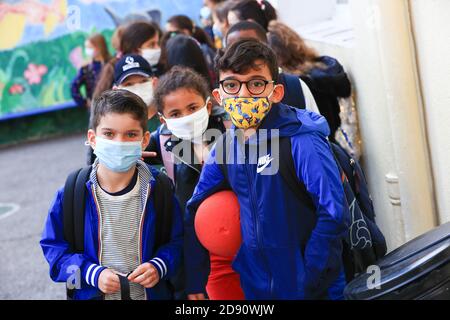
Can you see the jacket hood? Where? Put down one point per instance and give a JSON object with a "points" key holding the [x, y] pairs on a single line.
{"points": [[331, 79]]}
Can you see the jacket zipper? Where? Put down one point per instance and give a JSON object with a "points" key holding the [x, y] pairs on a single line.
{"points": [[141, 224], [99, 228], [255, 221]]}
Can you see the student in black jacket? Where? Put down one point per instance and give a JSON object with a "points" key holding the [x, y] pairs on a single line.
{"points": [[324, 75]]}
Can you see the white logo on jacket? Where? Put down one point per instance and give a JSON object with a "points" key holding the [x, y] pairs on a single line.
{"points": [[263, 162]]}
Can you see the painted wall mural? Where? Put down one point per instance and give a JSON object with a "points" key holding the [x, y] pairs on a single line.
{"points": [[41, 44]]}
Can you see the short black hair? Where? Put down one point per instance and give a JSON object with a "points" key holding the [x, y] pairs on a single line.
{"points": [[262, 12], [242, 55], [184, 51], [248, 25], [118, 101], [182, 22], [177, 78]]}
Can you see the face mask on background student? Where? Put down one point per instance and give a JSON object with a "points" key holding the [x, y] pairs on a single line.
{"points": [[151, 55], [89, 52], [218, 36], [117, 156], [190, 127], [143, 90]]}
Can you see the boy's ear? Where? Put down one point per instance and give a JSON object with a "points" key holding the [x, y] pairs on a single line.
{"points": [[146, 140], [278, 93], [209, 106], [91, 138], [216, 95], [154, 82]]}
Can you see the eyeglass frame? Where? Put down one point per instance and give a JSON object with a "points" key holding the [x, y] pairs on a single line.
{"points": [[266, 82]]}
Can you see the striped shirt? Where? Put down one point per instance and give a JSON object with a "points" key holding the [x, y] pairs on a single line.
{"points": [[120, 222]]}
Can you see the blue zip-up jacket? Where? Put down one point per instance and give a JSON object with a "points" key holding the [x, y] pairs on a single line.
{"points": [[289, 251], [166, 258]]}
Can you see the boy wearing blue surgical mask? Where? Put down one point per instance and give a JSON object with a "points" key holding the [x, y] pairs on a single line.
{"points": [[133, 73], [122, 254]]}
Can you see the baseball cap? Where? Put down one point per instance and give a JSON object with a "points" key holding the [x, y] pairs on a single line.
{"points": [[131, 64]]}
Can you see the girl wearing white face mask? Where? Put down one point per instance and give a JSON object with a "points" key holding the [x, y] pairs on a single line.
{"points": [[96, 52], [191, 126], [183, 141], [135, 38]]}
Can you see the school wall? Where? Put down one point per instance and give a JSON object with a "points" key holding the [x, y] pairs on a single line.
{"points": [[400, 74], [431, 29]]}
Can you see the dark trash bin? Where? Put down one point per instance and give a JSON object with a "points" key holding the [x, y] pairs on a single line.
{"points": [[418, 270]]}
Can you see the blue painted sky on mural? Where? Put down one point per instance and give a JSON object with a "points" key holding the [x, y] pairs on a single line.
{"points": [[94, 17]]}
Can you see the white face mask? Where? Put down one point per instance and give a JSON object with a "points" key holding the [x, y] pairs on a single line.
{"points": [[151, 55], [190, 127], [89, 52], [143, 90]]}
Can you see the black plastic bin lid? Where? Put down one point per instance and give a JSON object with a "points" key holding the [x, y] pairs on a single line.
{"points": [[411, 263]]}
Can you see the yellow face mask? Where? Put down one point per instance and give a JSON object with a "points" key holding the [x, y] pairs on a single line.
{"points": [[246, 112]]}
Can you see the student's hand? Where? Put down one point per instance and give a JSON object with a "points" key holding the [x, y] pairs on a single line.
{"points": [[148, 154], [196, 296], [108, 282], [146, 275]]}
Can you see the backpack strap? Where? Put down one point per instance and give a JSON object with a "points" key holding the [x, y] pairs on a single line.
{"points": [[68, 214], [167, 157], [294, 95], [124, 288], [163, 201], [289, 174], [74, 203]]}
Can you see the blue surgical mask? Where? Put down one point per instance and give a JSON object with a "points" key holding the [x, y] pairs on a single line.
{"points": [[117, 156]]}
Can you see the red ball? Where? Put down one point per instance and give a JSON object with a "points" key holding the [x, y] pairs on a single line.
{"points": [[217, 224]]}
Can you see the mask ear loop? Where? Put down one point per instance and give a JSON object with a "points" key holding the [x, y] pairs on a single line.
{"points": [[269, 96], [207, 101]]}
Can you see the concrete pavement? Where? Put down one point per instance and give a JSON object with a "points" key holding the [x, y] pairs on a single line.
{"points": [[30, 174]]}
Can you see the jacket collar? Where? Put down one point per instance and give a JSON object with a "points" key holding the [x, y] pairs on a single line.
{"points": [[144, 175]]}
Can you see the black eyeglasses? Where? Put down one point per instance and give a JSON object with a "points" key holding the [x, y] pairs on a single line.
{"points": [[254, 86]]}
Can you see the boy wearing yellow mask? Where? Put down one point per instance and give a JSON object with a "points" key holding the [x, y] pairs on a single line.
{"points": [[292, 239]]}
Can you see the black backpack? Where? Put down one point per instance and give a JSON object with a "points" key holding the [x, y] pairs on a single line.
{"points": [[74, 203], [364, 243]]}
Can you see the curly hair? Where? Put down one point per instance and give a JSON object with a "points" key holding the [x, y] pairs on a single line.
{"points": [[179, 78], [294, 56]]}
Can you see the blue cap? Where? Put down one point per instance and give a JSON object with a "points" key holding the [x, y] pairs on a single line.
{"points": [[131, 64]]}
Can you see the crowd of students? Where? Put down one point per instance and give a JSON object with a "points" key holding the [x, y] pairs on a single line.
{"points": [[241, 74]]}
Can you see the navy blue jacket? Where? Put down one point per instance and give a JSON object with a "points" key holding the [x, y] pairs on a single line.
{"points": [[288, 252], [327, 85]]}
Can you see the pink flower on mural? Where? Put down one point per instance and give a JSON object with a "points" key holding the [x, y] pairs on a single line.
{"points": [[76, 57], [34, 73], [16, 89]]}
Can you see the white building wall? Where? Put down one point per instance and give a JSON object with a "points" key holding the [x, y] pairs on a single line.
{"points": [[380, 60], [431, 26]]}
